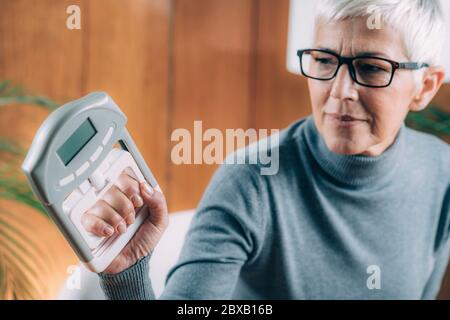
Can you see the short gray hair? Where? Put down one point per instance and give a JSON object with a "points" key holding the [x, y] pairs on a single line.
{"points": [[421, 22]]}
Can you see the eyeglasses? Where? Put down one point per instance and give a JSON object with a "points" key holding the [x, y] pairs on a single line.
{"points": [[367, 71]]}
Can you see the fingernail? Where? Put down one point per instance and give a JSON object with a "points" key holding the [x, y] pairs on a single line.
{"points": [[122, 227], [149, 190], [108, 230], [131, 218], [137, 200]]}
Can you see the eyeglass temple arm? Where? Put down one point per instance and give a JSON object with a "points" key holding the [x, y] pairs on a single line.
{"points": [[412, 65]]}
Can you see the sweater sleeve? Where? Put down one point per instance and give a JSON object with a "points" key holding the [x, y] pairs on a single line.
{"points": [[130, 284], [225, 234]]}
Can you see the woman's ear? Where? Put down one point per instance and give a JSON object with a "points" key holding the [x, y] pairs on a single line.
{"points": [[429, 85]]}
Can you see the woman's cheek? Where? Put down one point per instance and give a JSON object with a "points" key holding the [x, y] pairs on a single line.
{"points": [[381, 129]]}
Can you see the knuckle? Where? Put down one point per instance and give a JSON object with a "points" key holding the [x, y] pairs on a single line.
{"points": [[129, 185], [115, 219], [112, 192], [160, 199], [89, 222], [131, 189], [102, 208], [97, 207], [160, 194]]}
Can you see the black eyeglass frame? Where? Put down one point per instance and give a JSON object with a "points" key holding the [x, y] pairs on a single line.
{"points": [[349, 62]]}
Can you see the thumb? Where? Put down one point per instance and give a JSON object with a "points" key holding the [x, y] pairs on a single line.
{"points": [[156, 204]]}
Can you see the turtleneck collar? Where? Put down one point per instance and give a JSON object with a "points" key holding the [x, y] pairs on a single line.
{"points": [[355, 170]]}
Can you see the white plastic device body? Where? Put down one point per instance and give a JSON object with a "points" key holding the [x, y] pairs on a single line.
{"points": [[77, 155]]}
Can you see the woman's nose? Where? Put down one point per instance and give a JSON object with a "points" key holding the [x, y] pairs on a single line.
{"points": [[343, 87]]}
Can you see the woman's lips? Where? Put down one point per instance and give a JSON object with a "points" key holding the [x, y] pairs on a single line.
{"points": [[345, 120]]}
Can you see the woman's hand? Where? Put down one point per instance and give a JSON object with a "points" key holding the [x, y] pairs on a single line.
{"points": [[116, 211]]}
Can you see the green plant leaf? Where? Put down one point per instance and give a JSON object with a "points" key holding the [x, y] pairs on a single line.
{"points": [[10, 95], [10, 147], [12, 183], [432, 120], [33, 257], [30, 268]]}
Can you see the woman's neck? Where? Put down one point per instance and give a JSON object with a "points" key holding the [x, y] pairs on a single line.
{"points": [[355, 169]]}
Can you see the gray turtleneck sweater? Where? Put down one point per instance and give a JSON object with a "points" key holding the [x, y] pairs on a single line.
{"points": [[326, 226]]}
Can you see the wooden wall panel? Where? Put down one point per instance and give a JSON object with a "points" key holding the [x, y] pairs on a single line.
{"points": [[38, 52], [122, 48], [280, 97], [126, 54], [211, 72]]}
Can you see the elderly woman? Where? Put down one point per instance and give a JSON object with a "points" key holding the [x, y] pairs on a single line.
{"points": [[360, 206]]}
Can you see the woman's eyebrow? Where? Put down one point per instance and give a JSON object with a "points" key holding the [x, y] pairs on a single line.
{"points": [[361, 53], [327, 49], [373, 53]]}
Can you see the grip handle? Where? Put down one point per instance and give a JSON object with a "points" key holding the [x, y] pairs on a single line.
{"points": [[103, 178]]}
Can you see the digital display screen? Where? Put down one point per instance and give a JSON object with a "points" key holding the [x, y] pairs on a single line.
{"points": [[76, 141]]}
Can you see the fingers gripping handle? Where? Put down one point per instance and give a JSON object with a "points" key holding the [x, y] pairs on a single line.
{"points": [[101, 180], [118, 160]]}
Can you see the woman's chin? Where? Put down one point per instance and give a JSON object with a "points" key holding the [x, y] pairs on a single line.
{"points": [[350, 141], [344, 146]]}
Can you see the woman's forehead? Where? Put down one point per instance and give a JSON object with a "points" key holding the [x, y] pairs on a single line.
{"points": [[352, 37], [359, 51]]}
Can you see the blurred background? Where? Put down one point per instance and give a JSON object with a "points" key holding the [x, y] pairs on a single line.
{"points": [[166, 63]]}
